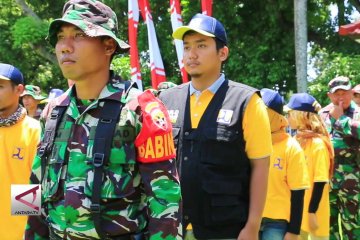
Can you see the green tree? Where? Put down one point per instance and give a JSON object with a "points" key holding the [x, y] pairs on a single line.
{"points": [[260, 32]]}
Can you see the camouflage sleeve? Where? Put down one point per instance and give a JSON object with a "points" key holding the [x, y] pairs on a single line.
{"points": [[347, 126], [164, 199], [36, 227], [156, 158]]}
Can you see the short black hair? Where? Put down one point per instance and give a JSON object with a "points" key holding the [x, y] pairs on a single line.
{"points": [[219, 44]]}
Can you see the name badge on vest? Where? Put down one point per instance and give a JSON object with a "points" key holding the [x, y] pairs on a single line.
{"points": [[173, 114], [225, 116]]}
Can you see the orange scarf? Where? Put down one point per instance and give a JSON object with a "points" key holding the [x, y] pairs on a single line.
{"points": [[303, 136]]}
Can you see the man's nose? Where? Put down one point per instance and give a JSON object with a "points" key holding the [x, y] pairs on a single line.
{"points": [[65, 45], [192, 53]]}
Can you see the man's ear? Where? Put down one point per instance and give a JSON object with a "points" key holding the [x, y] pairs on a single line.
{"points": [[110, 46], [224, 53], [19, 89]]}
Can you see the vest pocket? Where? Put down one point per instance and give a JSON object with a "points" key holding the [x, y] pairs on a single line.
{"points": [[224, 203], [218, 140], [222, 134], [119, 175], [223, 177]]}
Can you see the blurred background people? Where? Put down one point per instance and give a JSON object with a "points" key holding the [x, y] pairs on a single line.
{"points": [[53, 93], [356, 96], [342, 120], [19, 136], [31, 99], [314, 139], [288, 177]]}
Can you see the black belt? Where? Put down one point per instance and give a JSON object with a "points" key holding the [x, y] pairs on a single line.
{"points": [[135, 236]]}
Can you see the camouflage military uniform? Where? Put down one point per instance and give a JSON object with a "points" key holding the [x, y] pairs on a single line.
{"points": [[141, 189], [345, 184]]}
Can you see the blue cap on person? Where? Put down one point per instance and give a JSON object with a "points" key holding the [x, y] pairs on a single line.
{"points": [[204, 25], [272, 100], [54, 93], [11, 73], [302, 102]]}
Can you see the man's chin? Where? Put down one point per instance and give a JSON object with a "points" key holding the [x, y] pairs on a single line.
{"points": [[195, 75]]}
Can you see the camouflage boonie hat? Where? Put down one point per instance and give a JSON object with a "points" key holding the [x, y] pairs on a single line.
{"points": [[33, 91], [94, 18]]}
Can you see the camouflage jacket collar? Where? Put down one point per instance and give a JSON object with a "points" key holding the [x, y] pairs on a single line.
{"points": [[112, 90]]}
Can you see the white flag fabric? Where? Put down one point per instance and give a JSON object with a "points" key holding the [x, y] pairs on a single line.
{"points": [[133, 20], [176, 21], [156, 63]]}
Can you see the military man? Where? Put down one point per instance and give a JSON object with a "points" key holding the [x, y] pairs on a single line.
{"points": [[31, 98], [342, 119], [356, 97], [107, 168]]}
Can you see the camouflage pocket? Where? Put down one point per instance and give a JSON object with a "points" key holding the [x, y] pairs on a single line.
{"points": [[53, 172], [119, 176]]}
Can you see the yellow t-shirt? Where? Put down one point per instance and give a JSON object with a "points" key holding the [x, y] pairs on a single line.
{"points": [[255, 123], [288, 171], [18, 144], [318, 162]]}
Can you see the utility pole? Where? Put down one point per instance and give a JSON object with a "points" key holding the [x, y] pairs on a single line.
{"points": [[300, 22]]}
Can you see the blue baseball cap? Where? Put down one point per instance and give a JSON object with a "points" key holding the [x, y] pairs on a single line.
{"points": [[272, 99], [54, 93], [11, 73], [302, 102], [204, 25]]}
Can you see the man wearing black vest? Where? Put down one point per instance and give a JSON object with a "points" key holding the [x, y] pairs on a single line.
{"points": [[222, 135]]}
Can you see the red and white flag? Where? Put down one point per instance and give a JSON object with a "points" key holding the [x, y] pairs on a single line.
{"points": [[133, 20], [156, 63], [176, 21], [206, 7]]}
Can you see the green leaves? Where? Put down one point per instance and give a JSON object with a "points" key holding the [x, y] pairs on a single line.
{"points": [[27, 30], [260, 32]]}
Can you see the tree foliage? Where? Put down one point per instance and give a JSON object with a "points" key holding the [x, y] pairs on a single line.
{"points": [[260, 33], [28, 30]]}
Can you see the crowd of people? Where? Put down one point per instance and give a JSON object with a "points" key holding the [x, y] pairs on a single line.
{"points": [[208, 159]]}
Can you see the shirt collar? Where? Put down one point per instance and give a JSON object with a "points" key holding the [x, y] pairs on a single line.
{"points": [[213, 88]]}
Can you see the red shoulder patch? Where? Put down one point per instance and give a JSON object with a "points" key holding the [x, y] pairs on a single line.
{"points": [[155, 141]]}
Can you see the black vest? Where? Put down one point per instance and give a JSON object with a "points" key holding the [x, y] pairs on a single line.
{"points": [[214, 168]]}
